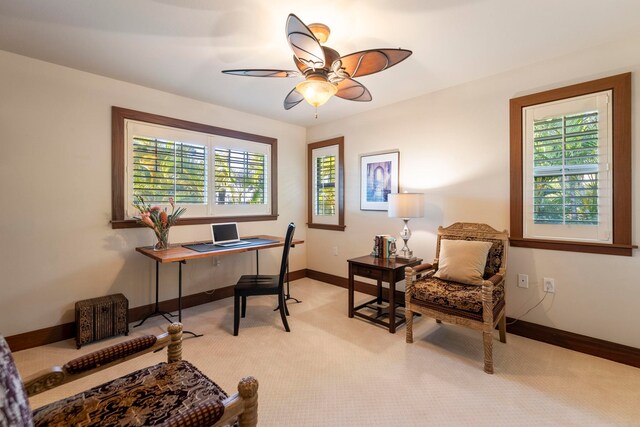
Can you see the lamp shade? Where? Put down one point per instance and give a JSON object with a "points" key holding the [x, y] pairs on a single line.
{"points": [[406, 205], [316, 91]]}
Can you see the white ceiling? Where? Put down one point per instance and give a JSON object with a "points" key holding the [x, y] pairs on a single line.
{"points": [[180, 46]]}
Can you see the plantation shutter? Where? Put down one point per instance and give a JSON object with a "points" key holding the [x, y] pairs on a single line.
{"points": [[325, 161], [567, 169], [239, 177], [163, 169], [325, 188]]}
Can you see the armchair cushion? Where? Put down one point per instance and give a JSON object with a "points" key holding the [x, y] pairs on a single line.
{"points": [[462, 261], [14, 405], [149, 396], [454, 295]]}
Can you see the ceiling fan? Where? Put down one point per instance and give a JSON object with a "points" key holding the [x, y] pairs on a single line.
{"points": [[325, 72]]}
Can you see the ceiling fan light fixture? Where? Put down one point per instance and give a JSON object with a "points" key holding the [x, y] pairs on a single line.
{"points": [[320, 31], [316, 91]]}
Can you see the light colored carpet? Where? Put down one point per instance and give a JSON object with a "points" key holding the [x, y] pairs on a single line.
{"points": [[335, 371]]}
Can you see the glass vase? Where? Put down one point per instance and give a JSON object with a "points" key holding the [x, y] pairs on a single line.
{"points": [[163, 240]]}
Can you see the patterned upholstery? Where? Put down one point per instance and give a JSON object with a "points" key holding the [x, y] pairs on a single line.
{"points": [[109, 354], [14, 405], [150, 396], [205, 414], [454, 295]]}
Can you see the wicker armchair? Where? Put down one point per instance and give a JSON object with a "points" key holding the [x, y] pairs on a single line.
{"points": [[168, 394], [479, 306]]}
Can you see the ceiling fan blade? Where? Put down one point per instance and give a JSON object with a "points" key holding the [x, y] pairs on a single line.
{"points": [[304, 44], [351, 90], [371, 61], [263, 72], [292, 99]]}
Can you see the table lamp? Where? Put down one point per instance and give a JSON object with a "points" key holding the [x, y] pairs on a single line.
{"points": [[406, 206]]}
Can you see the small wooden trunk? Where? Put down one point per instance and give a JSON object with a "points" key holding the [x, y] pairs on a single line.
{"points": [[101, 317]]}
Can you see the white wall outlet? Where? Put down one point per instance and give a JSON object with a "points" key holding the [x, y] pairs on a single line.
{"points": [[549, 285], [523, 280], [335, 251]]}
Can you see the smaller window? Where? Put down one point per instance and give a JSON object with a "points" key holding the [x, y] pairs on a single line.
{"points": [[326, 184]]}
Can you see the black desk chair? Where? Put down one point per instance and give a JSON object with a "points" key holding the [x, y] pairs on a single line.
{"points": [[252, 284]]}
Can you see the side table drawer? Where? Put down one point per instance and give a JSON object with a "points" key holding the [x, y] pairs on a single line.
{"points": [[371, 273]]}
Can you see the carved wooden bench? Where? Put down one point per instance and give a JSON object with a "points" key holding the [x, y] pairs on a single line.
{"points": [[169, 394]]}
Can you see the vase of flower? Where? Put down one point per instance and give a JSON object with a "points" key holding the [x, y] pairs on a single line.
{"points": [[163, 240], [158, 220]]}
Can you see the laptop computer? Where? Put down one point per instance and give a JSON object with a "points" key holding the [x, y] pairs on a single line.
{"points": [[226, 234]]}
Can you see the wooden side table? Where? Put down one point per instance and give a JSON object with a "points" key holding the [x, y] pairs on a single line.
{"points": [[381, 270]]}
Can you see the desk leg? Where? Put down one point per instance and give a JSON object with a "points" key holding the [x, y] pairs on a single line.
{"points": [[392, 303], [180, 299], [180, 290], [157, 311], [379, 286], [351, 289]]}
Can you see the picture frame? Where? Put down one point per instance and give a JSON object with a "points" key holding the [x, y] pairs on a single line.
{"points": [[378, 178]]}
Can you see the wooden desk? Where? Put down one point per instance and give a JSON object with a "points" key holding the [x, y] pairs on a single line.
{"points": [[380, 269], [178, 253]]}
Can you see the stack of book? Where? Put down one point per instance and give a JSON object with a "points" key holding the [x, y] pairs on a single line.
{"points": [[384, 246]]}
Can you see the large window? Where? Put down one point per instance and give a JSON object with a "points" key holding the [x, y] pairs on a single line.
{"points": [[217, 174], [570, 161], [326, 184]]}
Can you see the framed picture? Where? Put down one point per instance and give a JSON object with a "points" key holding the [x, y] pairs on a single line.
{"points": [[378, 178]]}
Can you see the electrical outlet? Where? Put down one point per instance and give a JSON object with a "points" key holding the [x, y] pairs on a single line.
{"points": [[523, 281], [215, 261], [549, 285], [335, 251]]}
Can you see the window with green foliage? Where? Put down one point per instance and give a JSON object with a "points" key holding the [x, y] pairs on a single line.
{"points": [[239, 177], [326, 184], [565, 169], [325, 195], [215, 176], [571, 168], [568, 166], [163, 169]]}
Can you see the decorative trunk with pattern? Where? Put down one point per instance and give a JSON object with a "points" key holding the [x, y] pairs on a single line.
{"points": [[102, 317]]}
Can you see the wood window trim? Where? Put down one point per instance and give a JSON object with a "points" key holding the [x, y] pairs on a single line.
{"points": [[118, 152], [339, 141], [620, 85]]}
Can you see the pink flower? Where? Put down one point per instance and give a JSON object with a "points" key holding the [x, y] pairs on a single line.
{"points": [[155, 209], [145, 218]]}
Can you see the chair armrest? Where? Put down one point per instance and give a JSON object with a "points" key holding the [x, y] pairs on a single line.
{"points": [[105, 358], [422, 267], [205, 414], [495, 279], [110, 354]]}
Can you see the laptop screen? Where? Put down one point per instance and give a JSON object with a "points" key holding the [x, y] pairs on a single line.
{"points": [[225, 232]]}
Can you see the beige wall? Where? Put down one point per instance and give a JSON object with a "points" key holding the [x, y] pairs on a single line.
{"points": [[55, 181], [454, 146]]}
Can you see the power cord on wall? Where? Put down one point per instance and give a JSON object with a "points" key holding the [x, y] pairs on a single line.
{"points": [[528, 311]]}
